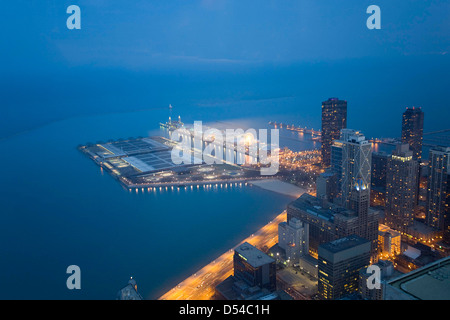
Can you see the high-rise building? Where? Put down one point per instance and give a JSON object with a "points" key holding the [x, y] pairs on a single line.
{"points": [[438, 188], [412, 130], [326, 185], [378, 179], [254, 267], [447, 213], [334, 118], [350, 212], [360, 203], [351, 158], [293, 238], [401, 188], [339, 264]]}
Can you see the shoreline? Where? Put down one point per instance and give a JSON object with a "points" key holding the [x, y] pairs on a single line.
{"points": [[201, 285], [278, 186]]}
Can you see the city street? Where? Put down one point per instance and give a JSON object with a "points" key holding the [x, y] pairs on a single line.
{"points": [[200, 286]]}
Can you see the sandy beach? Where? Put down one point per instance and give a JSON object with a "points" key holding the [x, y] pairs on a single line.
{"points": [[279, 187]]}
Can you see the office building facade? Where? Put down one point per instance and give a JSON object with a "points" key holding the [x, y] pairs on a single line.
{"points": [[438, 189], [401, 188], [254, 267], [412, 130], [334, 118], [326, 186], [293, 238], [328, 221], [378, 179], [351, 160], [339, 265]]}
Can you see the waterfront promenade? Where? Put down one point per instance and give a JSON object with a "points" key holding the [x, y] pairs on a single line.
{"points": [[200, 285], [278, 186]]}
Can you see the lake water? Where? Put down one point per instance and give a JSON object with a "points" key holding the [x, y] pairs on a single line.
{"points": [[58, 208]]}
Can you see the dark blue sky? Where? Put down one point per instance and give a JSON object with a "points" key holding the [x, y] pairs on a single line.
{"points": [[133, 55], [145, 34]]}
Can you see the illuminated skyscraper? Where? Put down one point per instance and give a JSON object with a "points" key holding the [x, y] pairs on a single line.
{"points": [[438, 189], [351, 158], [401, 179], [334, 118], [447, 213], [412, 130]]}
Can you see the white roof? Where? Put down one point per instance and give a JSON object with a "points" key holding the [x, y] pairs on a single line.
{"points": [[411, 252]]}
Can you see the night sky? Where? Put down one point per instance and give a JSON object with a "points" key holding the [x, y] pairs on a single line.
{"points": [[133, 55], [145, 34]]}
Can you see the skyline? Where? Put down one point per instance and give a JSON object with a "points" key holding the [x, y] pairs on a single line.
{"points": [[294, 91], [205, 53], [115, 161]]}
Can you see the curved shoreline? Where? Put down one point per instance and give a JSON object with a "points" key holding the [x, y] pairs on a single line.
{"points": [[279, 186]]}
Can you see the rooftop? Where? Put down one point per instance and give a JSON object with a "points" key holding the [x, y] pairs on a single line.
{"points": [[380, 154], [315, 206], [383, 229], [431, 282], [344, 243], [252, 255], [421, 228], [353, 136]]}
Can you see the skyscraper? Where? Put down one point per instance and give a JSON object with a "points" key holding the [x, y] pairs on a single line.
{"points": [[447, 213], [412, 130], [350, 212], [438, 189], [351, 158], [326, 185], [351, 161], [379, 166], [334, 118], [378, 179], [401, 178], [360, 203], [339, 265]]}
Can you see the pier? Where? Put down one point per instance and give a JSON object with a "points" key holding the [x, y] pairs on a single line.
{"points": [[146, 163], [292, 127]]}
